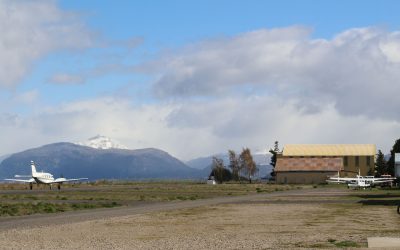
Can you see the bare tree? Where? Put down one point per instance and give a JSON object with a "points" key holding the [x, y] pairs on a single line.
{"points": [[247, 163], [234, 164], [219, 172]]}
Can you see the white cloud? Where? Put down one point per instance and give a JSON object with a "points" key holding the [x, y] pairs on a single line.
{"points": [[63, 78], [28, 97], [32, 29], [8, 119], [257, 122], [83, 76], [391, 47], [357, 71]]}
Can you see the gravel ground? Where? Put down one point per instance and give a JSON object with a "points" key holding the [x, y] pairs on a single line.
{"points": [[243, 225]]}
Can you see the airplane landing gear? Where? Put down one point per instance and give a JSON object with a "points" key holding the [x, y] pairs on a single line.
{"points": [[30, 186], [398, 209], [59, 186]]}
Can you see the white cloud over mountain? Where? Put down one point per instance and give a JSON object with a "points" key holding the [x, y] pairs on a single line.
{"points": [[188, 130]]}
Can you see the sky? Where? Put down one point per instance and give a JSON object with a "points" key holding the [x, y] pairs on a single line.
{"points": [[196, 78]]}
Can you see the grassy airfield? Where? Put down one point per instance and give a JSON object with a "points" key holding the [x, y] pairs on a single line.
{"points": [[16, 200]]}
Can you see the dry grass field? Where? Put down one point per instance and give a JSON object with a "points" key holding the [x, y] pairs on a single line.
{"points": [[16, 199]]}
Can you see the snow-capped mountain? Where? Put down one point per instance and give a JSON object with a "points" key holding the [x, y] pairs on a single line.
{"points": [[72, 160], [102, 142]]}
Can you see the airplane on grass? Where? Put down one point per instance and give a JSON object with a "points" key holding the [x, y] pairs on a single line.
{"points": [[42, 178], [361, 181]]}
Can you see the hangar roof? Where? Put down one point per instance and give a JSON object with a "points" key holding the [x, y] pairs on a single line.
{"points": [[329, 150]]}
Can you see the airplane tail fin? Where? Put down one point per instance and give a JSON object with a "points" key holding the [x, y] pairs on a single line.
{"points": [[33, 168]]}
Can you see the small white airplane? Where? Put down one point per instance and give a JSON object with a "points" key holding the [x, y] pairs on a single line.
{"points": [[361, 181], [42, 178]]}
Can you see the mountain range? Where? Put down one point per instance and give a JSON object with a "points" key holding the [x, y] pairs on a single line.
{"points": [[72, 160], [102, 158]]}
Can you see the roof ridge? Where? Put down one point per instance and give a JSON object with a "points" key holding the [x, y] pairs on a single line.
{"points": [[329, 149]]}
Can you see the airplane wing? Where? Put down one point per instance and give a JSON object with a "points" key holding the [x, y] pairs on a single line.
{"points": [[341, 179], [61, 180], [335, 181], [19, 180], [383, 181]]}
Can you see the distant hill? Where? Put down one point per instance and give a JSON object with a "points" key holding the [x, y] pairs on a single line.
{"points": [[204, 163], [72, 160], [3, 157]]}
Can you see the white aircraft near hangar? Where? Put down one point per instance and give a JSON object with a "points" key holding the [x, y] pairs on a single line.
{"points": [[42, 178], [361, 181]]}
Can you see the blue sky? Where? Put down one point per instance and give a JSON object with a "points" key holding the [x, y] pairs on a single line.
{"points": [[178, 75], [172, 23]]}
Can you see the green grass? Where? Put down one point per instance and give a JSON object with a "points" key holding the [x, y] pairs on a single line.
{"points": [[149, 191], [94, 195], [332, 243], [346, 243], [17, 209], [342, 244]]}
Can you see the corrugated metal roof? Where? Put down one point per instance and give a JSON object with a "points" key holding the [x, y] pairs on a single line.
{"points": [[329, 149], [333, 164]]}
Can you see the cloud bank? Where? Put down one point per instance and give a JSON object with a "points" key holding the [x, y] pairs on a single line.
{"points": [[193, 129]]}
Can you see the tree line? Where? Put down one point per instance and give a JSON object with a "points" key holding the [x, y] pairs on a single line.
{"points": [[386, 167], [241, 167]]}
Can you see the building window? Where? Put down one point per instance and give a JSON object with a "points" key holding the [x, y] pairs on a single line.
{"points": [[345, 161], [357, 161]]}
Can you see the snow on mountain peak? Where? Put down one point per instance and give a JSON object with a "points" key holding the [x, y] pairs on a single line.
{"points": [[102, 142]]}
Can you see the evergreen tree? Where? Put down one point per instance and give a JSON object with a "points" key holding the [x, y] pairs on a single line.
{"points": [[390, 163], [274, 152], [380, 164]]}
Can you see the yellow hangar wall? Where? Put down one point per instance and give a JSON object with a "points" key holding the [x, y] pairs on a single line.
{"points": [[352, 164], [355, 158]]}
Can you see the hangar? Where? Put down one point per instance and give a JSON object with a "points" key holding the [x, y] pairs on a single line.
{"points": [[312, 163]]}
